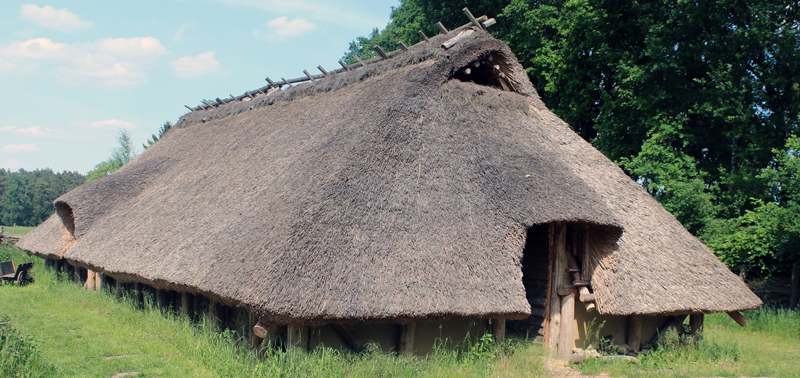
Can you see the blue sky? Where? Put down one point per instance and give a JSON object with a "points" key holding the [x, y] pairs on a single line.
{"points": [[73, 73]]}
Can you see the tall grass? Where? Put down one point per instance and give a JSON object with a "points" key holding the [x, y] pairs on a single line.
{"points": [[84, 333], [19, 356]]}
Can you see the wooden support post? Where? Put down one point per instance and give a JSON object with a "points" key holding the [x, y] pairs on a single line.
{"points": [[297, 337], [794, 287], [407, 333], [161, 299], [380, 51], [738, 317], [254, 330], [499, 330], [214, 314], [566, 338], [442, 29], [59, 266], [118, 289], [472, 18], [558, 274], [186, 304], [351, 336], [77, 275], [138, 289], [696, 325], [424, 37], [634, 334]]}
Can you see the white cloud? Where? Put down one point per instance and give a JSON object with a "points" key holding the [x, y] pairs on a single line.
{"points": [[339, 12], [147, 47], [52, 18], [19, 148], [113, 124], [178, 37], [111, 62], [35, 131], [282, 28], [192, 66]]}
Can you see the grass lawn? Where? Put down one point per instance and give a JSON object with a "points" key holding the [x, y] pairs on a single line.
{"points": [[16, 231], [55, 328]]}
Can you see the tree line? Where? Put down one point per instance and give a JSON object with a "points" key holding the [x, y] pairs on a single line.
{"points": [[26, 197], [699, 101]]}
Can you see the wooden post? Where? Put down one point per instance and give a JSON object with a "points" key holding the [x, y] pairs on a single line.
{"points": [[738, 317], [256, 330], [673, 322], [634, 334], [297, 337], [499, 330], [565, 341], [118, 290], [795, 287], [161, 299], [186, 304], [558, 277], [90, 276], [214, 314], [696, 324], [407, 333], [99, 281], [76, 276], [351, 336], [442, 29]]}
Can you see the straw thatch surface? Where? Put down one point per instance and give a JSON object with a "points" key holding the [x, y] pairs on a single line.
{"points": [[388, 192]]}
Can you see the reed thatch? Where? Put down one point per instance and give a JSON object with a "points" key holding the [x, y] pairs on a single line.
{"points": [[391, 191]]}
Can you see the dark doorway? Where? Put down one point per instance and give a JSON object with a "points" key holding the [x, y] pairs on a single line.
{"points": [[535, 266]]}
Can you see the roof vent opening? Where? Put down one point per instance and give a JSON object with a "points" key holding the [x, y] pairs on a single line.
{"points": [[64, 212], [491, 70]]}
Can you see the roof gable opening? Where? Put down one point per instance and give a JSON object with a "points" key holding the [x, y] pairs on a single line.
{"points": [[492, 70], [64, 212]]}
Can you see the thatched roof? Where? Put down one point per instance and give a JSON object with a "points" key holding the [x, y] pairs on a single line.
{"points": [[391, 191]]}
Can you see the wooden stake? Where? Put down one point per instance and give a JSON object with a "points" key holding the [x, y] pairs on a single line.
{"points": [[402, 46], [309, 75], [425, 37], [499, 330], [558, 274], [358, 59], [566, 341], [380, 51], [442, 29], [322, 70], [472, 18], [407, 333], [634, 334], [271, 83], [696, 325], [351, 336], [297, 337], [343, 64], [738, 318]]}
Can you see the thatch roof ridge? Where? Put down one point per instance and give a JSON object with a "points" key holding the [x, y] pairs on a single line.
{"points": [[393, 191]]}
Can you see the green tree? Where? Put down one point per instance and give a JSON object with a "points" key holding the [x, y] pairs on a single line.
{"points": [[120, 155], [161, 131]]}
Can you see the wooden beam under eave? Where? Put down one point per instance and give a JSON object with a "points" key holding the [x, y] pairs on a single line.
{"points": [[297, 337], [407, 333], [634, 334], [499, 330], [558, 277], [738, 318]]}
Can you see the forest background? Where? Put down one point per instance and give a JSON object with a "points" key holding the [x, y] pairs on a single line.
{"points": [[698, 101]]}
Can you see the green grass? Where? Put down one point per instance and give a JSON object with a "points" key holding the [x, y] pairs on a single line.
{"points": [[78, 333], [16, 231], [768, 346]]}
